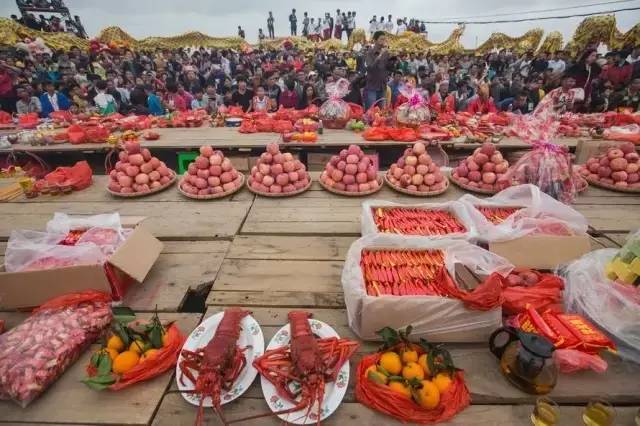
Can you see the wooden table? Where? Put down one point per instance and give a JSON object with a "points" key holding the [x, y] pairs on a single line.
{"points": [[272, 255]]}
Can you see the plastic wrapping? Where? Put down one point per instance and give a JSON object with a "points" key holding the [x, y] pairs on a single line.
{"points": [[459, 210], [335, 112], [62, 223], [537, 213], [435, 318], [613, 307], [38, 351], [415, 111]]}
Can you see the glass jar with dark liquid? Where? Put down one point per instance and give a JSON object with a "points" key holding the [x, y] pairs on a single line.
{"points": [[525, 359]]}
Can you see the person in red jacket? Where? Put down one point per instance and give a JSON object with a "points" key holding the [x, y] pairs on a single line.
{"points": [[619, 73], [483, 103], [442, 100]]}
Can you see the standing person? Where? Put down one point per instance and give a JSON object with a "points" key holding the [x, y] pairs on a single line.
{"points": [[261, 36], [313, 36], [376, 61], [338, 24], [305, 25], [402, 27], [270, 28], [388, 27], [240, 32], [373, 26], [293, 22], [331, 23], [52, 100], [326, 27], [348, 24]]}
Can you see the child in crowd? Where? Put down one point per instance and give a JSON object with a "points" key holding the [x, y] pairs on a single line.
{"points": [[261, 102], [154, 103], [289, 97], [105, 103]]}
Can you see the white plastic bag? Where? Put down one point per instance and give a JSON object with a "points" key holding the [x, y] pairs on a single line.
{"points": [[539, 213], [62, 223], [613, 307], [368, 224], [438, 319]]}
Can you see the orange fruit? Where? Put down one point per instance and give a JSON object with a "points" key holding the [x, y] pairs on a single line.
{"points": [[428, 396], [151, 353], [424, 363], [412, 370], [409, 356], [112, 352], [391, 363], [138, 346], [165, 339], [442, 381], [115, 343], [400, 388], [375, 376], [125, 362]]}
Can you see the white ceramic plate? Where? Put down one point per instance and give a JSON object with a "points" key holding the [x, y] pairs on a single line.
{"points": [[250, 335], [334, 391]]}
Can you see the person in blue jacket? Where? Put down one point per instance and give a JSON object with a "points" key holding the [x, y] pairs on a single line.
{"points": [[52, 100]]}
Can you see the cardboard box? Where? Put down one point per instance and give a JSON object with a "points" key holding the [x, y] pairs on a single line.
{"points": [[131, 262], [542, 251]]}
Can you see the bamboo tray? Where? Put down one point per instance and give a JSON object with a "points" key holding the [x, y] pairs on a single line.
{"points": [[144, 194], [417, 193], [215, 196], [281, 194], [354, 194]]}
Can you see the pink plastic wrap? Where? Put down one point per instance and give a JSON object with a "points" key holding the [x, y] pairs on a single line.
{"points": [[547, 165], [415, 111], [335, 112], [37, 352], [571, 361]]}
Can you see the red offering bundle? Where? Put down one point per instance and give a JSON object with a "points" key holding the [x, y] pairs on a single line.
{"points": [[37, 352], [79, 176], [435, 392], [335, 112], [524, 288]]}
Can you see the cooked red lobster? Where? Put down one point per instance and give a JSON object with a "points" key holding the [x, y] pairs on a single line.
{"points": [[307, 360], [218, 364]]}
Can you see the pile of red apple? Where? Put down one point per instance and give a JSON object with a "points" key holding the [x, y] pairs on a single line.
{"points": [[483, 169], [415, 171], [137, 171], [277, 173], [619, 166], [351, 171], [210, 174]]}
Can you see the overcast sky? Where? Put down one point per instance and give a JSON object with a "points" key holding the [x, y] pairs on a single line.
{"points": [[142, 18]]}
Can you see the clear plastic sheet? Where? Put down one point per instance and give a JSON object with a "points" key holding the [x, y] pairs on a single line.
{"points": [[435, 318], [335, 109]]}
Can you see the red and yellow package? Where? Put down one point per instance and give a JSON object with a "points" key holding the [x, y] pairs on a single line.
{"points": [[592, 339]]}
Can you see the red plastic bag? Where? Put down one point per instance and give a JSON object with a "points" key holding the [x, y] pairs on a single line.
{"points": [[547, 293], [235, 111], [357, 111], [37, 352], [97, 134], [282, 126], [485, 297], [572, 361], [76, 134], [5, 118], [402, 134], [379, 397], [248, 126], [28, 121], [376, 134], [61, 116], [79, 176], [264, 125]]}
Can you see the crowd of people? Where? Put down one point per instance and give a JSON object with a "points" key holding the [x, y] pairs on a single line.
{"points": [[161, 81], [324, 28]]}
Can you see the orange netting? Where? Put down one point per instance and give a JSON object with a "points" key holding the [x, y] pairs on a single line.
{"points": [[74, 299], [379, 397]]}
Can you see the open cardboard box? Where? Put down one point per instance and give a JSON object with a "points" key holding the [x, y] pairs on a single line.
{"points": [[542, 251], [131, 262]]}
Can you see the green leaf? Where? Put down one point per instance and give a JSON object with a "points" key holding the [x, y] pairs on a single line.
{"points": [[389, 336], [396, 379], [120, 331], [99, 382], [123, 314], [382, 370], [155, 336], [104, 364], [415, 382], [95, 358]]}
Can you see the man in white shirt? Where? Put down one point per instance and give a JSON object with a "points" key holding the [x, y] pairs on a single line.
{"points": [[388, 26], [556, 64], [373, 25], [402, 27], [634, 56]]}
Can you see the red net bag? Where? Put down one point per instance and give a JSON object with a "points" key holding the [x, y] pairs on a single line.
{"points": [[335, 112], [357, 111], [402, 134], [79, 176], [247, 126], [5, 118], [376, 134], [97, 134], [28, 121], [264, 125], [282, 126], [37, 352], [61, 116], [76, 134], [379, 396]]}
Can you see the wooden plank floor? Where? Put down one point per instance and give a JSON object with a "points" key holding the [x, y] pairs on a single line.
{"points": [[271, 255]]}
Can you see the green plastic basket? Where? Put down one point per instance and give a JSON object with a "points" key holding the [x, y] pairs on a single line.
{"points": [[184, 159]]}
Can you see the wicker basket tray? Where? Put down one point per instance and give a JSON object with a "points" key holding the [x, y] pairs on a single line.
{"points": [[612, 187], [472, 189], [335, 124], [144, 194], [215, 196], [353, 194], [415, 193], [281, 194]]}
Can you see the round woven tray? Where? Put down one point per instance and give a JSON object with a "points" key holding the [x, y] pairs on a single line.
{"points": [[612, 187], [281, 194], [215, 196], [144, 194], [415, 193], [354, 194], [471, 188], [335, 124]]}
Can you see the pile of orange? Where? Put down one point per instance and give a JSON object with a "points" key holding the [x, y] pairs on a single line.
{"points": [[407, 373], [124, 358]]}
